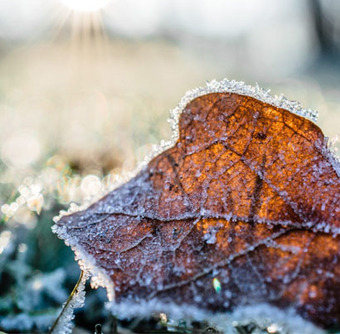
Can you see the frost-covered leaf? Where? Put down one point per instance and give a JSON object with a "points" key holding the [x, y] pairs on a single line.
{"points": [[243, 209]]}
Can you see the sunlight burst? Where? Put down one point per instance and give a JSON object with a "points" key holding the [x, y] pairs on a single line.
{"points": [[85, 5]]}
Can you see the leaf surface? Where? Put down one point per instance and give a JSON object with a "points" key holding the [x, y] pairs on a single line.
{"points": [[243, 209]]}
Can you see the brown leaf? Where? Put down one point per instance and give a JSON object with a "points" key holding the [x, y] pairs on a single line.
{"points": [[243, 209]]}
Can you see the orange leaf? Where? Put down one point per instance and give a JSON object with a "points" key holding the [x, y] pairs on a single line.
{"points": [[243, 209]]}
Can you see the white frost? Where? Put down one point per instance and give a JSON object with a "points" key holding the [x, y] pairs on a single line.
{"points": [[263, 315], [64, 325], [239, 87], [86, 262]]}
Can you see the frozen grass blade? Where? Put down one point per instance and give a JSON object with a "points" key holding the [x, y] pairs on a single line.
{"points": [[75, 299]]}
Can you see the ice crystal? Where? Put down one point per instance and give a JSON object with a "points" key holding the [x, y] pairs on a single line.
{"points": [[64, 325]]}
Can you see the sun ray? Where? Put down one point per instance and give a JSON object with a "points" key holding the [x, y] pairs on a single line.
{"points": [[81, 20], [85, 5]]}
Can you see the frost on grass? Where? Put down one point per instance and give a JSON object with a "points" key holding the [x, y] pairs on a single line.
{"points": [[64, 323], [261, 318], [247, 195], [25, 322]]}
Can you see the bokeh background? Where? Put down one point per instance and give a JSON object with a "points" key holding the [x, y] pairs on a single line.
{"points": [[85, 92]]}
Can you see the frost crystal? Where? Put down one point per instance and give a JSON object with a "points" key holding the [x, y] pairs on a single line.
{"points": [[263, 316], [239, 87], [64, 325]]}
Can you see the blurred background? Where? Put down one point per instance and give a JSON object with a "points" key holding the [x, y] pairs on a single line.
{"points": [[85, 91]]}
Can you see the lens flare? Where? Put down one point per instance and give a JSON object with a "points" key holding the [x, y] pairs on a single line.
{"points": [[85, 5]]}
